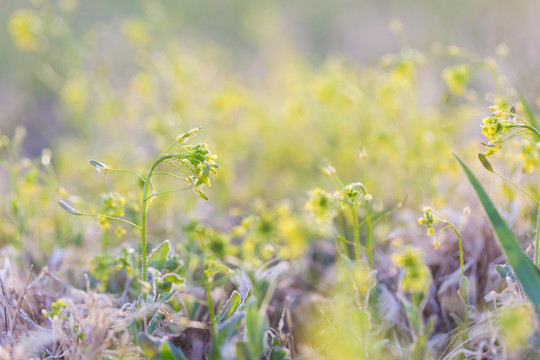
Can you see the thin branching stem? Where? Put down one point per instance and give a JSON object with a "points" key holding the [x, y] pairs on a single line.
{"points": [[144, 209], [170, 191], [126, 171], [518, 187], [169, 174], [112, 218]]}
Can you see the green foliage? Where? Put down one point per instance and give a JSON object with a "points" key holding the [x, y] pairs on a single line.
{"points": [[526, 272], [260, 280]]}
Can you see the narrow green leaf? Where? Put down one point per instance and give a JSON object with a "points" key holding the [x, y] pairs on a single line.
{"points": [[172, 278], [527, 274], [203, 195], [158, 316], [230, 307], [463, 290], [485, 162], [68, 208], [256, 327]]}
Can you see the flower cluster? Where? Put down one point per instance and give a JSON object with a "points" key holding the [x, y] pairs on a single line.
{"points": [[354, 194], [457, 77], [322, 204], [495, 128], [57, 308], [202, 165], [112, 204], [428, 220], [530, 156], [182, 138], [25, 27], [416, 276]]}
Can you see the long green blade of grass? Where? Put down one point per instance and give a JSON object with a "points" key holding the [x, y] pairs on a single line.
{"points": [[526, 272]]}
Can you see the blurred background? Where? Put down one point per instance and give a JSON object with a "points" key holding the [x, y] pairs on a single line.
{"points": [[279, 88]]}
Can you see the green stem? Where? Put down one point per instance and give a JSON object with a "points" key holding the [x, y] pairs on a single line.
{"points": [[356, 234], [518, 187], [460, 247], [170, 191], [178, 167], [533, 129], [169, 174], [126, 171], [144, 209], [369, 235], [368, 216], [211, 313], [537, 243], [112, 218]]}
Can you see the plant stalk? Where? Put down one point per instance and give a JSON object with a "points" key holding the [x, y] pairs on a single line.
{"points": [[537, 242], [356, 234]]}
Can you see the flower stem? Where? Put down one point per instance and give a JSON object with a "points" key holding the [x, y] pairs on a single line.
{"points": [[460, 247], [537, 242], [369, 235], [143, 212], [211, 311], [356, 234]]}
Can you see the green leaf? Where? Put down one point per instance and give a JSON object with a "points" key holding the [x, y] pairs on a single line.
{"points": [[504, 271], [230, 306], [203, 195], [158, 316], [278, 354], [68, 208], [526, 272], [158, 256], [167, 351], [227, 331], [256, 327], [172, 278], [148, 344], [463, 290], [360, 323], [242, 351], [483, 159]]}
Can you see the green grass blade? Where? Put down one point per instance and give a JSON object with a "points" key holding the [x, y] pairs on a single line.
{"points": [[526, 272]]}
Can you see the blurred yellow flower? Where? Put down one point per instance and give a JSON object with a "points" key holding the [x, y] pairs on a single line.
{"points": [[74, 94], [25, 27], [416, 276], [136, 32]]}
